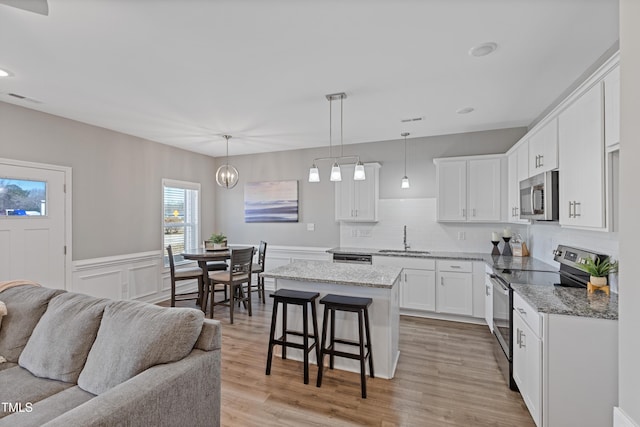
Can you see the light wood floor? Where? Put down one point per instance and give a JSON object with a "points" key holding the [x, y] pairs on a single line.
{"points": [[446, 376]]}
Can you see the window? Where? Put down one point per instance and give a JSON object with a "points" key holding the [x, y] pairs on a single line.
{"points": [[181, 217], [22, 198]]}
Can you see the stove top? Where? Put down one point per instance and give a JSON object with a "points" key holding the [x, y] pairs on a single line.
{"points": [[543, 278]]}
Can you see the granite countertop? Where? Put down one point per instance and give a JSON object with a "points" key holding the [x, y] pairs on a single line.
{"points": [[342, 274], [497, 262], [569, 301]]}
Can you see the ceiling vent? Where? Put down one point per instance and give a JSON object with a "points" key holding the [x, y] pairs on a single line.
{"points": [[24, 98], [415, 119]]}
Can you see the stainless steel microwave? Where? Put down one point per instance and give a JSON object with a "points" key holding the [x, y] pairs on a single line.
{"points": [[539, 197]]}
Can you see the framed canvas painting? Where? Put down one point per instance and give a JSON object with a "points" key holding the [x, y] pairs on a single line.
{"points": [[271, 201]]}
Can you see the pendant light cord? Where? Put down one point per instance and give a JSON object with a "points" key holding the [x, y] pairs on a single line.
{"points": [[330, 132], [405, 155], [341, 121]]}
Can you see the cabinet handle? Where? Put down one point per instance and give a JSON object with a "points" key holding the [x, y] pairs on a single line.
{"points": [[536, 162], [474, 211], [441, 280], [523, 340], [570, 212], [464, 212], [455, 266], [486, 290], [517, 211], [513, 212], [541, 162], [575, 211], [518, 331], [521, 311]]}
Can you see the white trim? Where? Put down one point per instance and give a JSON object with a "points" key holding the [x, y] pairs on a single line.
{"points": [[68, 209], [621, 419]]}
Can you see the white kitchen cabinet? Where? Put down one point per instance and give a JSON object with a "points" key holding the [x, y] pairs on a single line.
{"points": [[612, 107], [417, 289], [454, 288], [581, 153], [518, 170], [565, 366], [527, 358], [452, 190], [357, 201], [471, 189], [488, 297], [543, 148]]}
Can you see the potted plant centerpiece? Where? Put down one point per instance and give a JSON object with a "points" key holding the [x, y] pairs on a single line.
{"points": [[599, 270], [216, 241]]}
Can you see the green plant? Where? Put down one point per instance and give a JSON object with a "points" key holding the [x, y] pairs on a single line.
{"points": [[218, 238], [599, 267]]}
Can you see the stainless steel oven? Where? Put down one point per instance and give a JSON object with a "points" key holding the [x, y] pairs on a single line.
{"points": [[502, 326]]}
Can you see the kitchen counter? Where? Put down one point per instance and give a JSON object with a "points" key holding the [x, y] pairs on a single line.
{"points": [[342, 274], [569, 301], [380, 283], [495, 261]]}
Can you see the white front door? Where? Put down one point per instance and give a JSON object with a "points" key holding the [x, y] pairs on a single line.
{"points": [[33, 220]]}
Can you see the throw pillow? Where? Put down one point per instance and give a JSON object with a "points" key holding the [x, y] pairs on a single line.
{"points": [[25, 306], [61, 341], [134, 336]]}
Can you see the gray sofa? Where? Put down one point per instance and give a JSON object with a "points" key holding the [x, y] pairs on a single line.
{"points": [[76, 360]]}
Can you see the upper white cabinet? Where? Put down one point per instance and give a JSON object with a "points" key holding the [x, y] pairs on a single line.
{"points": [[612, 107], [581, 144], [518, 170], [471, 188], [543, 149], [357, 201]]}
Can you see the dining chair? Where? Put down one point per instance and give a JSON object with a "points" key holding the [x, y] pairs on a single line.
{"points": [[259, 268], [239, 273], [188, 273]]}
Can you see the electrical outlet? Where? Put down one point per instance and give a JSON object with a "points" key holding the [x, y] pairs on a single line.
{"points": [[311, 226], [365, 233], [461, 235]]}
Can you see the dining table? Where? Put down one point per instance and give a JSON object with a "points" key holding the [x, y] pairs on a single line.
{"points": [[202, 256]]}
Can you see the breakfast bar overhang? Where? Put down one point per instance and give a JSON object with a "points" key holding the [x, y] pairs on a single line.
{"points": [[380, 283]]}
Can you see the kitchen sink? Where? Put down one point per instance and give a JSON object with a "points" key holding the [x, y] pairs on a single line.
{"points": [[402, 252]]}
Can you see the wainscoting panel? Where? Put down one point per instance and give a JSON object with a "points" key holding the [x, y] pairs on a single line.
{"points": [[143, 277]]}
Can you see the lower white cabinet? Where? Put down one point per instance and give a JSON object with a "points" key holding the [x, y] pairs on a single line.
{"points": [[454, 294], [431, 287], [566, 367], [527, 365], [488, 297], [417, 289]]}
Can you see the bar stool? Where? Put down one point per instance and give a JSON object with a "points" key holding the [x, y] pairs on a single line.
{"points": [[333, 303], [304, 299]]}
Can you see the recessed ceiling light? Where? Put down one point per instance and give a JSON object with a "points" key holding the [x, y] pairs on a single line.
{"points": [[465, 110], [4, 73], [483, 49]]}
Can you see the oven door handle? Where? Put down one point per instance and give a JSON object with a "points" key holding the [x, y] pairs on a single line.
{"points": [[503, 289]]}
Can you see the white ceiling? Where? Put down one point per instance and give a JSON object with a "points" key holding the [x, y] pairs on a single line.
{"points": [[184, 72]]}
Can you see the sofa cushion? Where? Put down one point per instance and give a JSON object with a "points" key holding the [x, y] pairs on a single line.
{"points": [[25, 305], [134, 336], [61, 341], [48, 409], [19, 387]]}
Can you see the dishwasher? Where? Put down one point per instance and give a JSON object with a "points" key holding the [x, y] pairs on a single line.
{"points": [[351, 258]]}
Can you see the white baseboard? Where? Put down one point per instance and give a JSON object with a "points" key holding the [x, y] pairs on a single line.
{"points": [[621, 419]]}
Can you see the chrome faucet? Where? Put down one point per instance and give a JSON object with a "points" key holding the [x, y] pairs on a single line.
{"points": [[404, 241]]}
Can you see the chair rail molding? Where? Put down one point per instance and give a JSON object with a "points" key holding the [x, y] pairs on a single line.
{"points": [[142, 276]]}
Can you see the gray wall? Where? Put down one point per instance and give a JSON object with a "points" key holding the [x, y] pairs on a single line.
{"points": [[629, 339], [316, 201], [117, 178]]}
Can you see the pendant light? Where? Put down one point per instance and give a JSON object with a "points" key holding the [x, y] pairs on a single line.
{"points": [[336, 172], [227, 175], [405, 180]]}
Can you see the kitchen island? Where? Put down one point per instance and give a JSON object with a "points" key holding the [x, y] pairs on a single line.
{"points": [[376, 282]]}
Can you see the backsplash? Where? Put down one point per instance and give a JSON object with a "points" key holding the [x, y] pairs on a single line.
{"points": [[423, 232]]}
